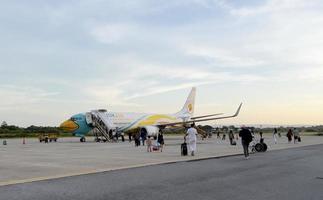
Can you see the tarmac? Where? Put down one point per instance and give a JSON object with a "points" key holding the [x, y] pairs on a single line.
{"points": [[34, 161], [285, 174]]}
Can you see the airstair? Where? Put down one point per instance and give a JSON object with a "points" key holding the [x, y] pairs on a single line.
{"points": [[104, 129]]}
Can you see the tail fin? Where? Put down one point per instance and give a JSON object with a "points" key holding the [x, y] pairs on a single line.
{"points": [[188, 109]]}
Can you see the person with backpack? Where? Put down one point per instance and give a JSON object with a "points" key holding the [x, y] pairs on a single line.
{"points": [[246, 138]]}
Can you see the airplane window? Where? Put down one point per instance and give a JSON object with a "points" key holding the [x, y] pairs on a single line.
{"points": [[73, 119]]}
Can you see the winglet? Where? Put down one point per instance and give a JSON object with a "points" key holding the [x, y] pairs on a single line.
{"points": [[238, 110]]}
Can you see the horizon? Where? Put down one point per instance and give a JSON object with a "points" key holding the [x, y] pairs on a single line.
{"points": [[219, 125], [62, 58]]}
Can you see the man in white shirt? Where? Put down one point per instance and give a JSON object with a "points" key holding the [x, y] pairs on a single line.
{"points": [[191, 139]]}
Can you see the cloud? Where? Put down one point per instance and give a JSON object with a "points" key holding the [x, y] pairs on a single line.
{"points": [[106, 52], [222, 57], [270, 7], [17, 97], [112, 33]]}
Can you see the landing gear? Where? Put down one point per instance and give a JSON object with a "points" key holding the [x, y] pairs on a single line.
{"points": [[82, 139]]}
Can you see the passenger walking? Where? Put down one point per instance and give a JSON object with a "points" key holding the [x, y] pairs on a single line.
{"points": [[122, 136], [130, 137], [223, 136], [149, 144], [143, 136], [231, 137], [296, 136], [289, 135], [246, 138], [191, 139], [218, 133], [160, 140], [299, 136], [275, 135], [137, 139]]}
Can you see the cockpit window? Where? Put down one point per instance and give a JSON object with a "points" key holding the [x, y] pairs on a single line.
{"points": [[76, 119]]}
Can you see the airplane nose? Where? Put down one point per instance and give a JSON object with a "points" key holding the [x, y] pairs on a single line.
{"points": [[69, 126]]}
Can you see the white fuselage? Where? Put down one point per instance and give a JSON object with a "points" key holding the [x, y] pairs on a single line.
{"points": [[127, 121]]}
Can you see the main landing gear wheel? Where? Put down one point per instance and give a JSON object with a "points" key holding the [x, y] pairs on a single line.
{"points": [[82, 139]]}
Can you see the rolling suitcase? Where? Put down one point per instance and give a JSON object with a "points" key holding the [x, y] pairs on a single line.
{"points": [[184, 149]]}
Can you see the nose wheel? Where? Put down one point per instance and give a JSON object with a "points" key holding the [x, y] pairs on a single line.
{"points": [[82, 139]]}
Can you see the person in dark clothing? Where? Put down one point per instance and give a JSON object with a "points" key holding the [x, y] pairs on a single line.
{"points": [[160, 140], [130, 138], [231, 137], [122, 136], [218, 133], [143, 136], [246, 138], [223, 136], [290, 135], [137, 139]]}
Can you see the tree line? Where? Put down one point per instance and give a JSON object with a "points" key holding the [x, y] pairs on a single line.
{"points": [[10, 131]]}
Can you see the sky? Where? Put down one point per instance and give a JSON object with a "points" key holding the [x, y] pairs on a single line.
{"points": [[62, 57]]}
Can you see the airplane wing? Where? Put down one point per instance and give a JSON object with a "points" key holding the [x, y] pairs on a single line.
{"points": [[202, 119], [204, 116]]}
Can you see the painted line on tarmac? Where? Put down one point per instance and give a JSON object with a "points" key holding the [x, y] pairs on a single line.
{"points": [[88, 172]]}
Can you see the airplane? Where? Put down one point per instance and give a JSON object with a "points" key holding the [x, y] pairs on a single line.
{"points": [[112, 123]]}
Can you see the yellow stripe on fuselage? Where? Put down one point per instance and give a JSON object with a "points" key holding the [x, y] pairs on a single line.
{"points": [[156, 120]]}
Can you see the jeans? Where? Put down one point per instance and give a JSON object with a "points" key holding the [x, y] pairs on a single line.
{"points": [[245, 146]]}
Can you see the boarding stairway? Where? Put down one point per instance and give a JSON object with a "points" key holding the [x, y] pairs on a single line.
{"points": [[104, 129]]}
